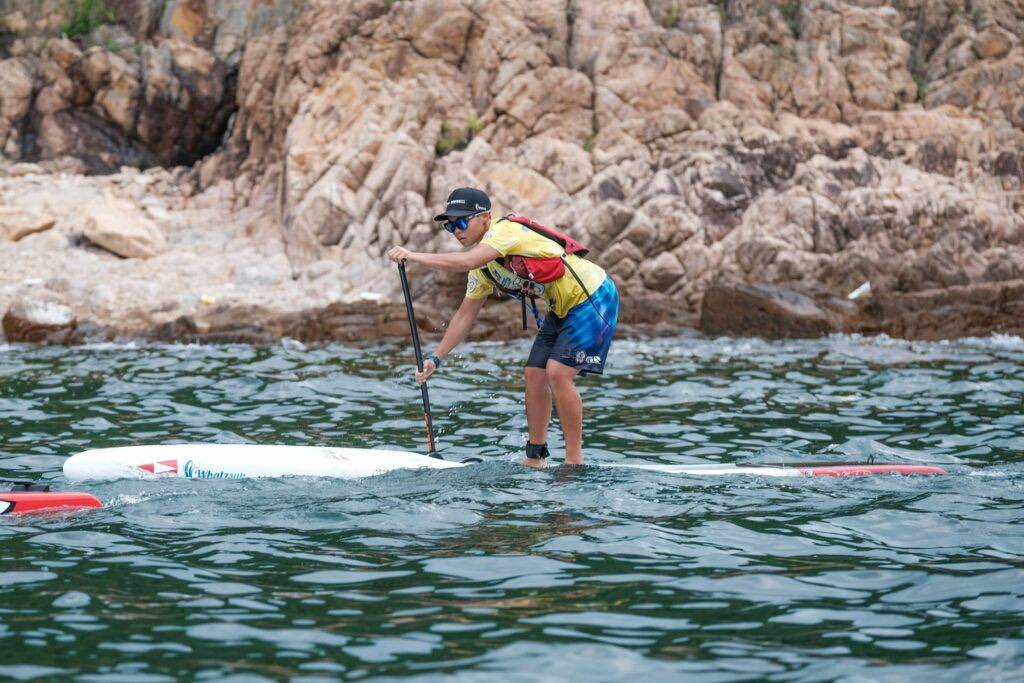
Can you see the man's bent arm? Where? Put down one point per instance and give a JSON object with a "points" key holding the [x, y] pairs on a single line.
{"points": [[459, 262]]}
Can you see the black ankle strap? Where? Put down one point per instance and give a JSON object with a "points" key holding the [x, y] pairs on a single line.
{"points": [[537, 451]]}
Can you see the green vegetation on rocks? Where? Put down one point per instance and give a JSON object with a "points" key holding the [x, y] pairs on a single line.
{"points": [[86, 16], [921, 81], [454, 137], [669, 18], [791, 12]]}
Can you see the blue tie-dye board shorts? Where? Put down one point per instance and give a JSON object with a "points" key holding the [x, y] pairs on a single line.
{"points": [[580, 340]]}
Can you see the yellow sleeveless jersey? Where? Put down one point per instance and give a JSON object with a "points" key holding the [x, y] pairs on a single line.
{"points": [[513, 239]]}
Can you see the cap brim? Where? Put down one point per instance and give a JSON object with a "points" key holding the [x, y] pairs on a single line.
{"points": [[455, 213]]}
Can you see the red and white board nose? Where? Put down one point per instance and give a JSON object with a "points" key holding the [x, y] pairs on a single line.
{"points": [[20, 502]]}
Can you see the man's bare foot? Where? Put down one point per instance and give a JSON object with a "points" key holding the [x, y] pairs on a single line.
{"points": [[535, 462]]}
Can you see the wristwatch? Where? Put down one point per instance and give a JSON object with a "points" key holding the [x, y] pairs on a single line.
{"points": [[437, 361]]}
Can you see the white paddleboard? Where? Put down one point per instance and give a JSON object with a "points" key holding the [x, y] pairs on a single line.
{"points": [[243, 461]]}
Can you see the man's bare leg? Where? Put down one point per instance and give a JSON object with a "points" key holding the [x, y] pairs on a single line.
{"points": [[570, 409], [538, 409]]}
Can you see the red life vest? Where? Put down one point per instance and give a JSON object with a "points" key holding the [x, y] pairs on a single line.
{"points": [[542, 269], [536, 268]]}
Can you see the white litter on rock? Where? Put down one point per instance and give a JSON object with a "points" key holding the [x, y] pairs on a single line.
{"points": [[865, 288]]}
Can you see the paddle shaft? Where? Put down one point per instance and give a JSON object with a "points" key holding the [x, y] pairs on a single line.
{"points": [[24, 485], [427, 421]]}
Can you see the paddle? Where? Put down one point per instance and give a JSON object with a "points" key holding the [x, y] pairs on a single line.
{"points": [[419, 361]]}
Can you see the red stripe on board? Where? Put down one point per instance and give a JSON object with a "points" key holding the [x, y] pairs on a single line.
{"points": [[863, 470], [36, 501]]}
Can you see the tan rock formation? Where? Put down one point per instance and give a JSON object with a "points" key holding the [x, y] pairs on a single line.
{"points": [[16, 223], [118, 227]]}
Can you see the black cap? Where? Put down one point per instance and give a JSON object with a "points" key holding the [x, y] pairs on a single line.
{"points": [[465, 201]]}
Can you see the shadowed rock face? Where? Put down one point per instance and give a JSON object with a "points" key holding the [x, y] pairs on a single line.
{"points": [[157, 89], [818, 143], [163, 104]]}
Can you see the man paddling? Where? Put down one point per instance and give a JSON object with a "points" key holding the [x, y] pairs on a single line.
{"points": [[529, 261]]}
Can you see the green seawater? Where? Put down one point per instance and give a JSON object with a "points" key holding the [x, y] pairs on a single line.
{"points": [[496, 572]]}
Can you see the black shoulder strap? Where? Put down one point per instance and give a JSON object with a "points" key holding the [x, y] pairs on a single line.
{"points": [[521, 295]]}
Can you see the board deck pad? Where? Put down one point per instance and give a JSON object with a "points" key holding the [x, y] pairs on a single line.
{"points": [[242, 461]]}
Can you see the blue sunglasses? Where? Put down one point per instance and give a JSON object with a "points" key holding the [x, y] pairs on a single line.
{"points": [[459, 223]]}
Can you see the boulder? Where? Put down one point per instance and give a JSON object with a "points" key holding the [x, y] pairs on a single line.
{"points": [[994, 43], [39, 318], [525, 185], [16, 86], [762, 310], [121, 229], [16, 82], [662, 272], [16, 223]]}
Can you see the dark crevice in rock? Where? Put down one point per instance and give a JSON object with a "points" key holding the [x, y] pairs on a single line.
{"points": [[99, 144], [464, 53], [720, 66], [570, 23], [587, 69], [218, 130]]}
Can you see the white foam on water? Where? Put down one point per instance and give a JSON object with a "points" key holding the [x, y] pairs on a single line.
{"points": [[1001, 341], [127, 499], [111, 346]]}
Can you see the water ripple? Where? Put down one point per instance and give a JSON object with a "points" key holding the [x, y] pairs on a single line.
{"points": [[495, 572]]}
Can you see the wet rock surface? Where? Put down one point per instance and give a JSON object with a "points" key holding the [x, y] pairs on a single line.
{"points": [[807, 147], [39, 318]]}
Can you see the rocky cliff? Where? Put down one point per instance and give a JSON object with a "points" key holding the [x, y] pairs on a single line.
{"points": [[811, 145]]}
